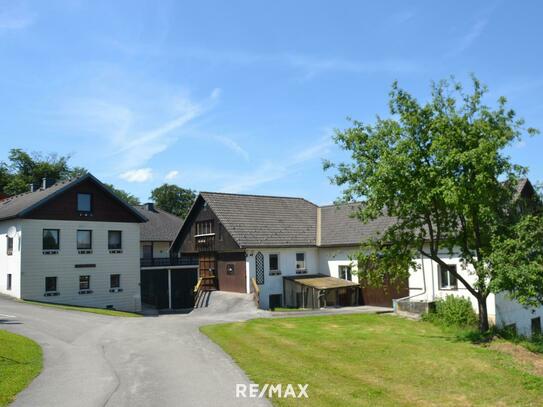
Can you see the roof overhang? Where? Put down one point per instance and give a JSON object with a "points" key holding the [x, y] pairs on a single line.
{"points": [[321, 281]]}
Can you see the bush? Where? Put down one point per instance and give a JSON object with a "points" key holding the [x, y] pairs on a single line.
{"points": [[453, 311]]}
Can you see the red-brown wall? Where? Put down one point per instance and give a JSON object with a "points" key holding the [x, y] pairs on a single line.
{"points": [[105, 208]]}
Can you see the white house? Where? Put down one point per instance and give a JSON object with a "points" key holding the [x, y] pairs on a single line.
{"points": [[73, 242], [282, 244]]}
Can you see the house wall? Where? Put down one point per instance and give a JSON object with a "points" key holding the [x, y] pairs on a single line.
{"points": [[105, 208], [36, 266], [186, 243], [424, 283], [10, 264], [330, 258], [160, 249], [273, 284], [511, 312]]}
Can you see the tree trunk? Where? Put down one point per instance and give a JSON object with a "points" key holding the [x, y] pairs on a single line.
{"points": [[483, 314]]}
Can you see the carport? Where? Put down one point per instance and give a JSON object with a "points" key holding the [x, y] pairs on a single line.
{"points": [[319, 290]]}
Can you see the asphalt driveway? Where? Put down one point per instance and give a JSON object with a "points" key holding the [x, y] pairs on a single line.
{"points": [[95, 360]]}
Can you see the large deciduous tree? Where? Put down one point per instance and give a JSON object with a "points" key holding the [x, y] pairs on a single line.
{"points": [[25, 168], [440, 169], [173, 199], [124, 195]]}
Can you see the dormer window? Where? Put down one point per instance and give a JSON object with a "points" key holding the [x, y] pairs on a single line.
{"points": [[84, 203]]}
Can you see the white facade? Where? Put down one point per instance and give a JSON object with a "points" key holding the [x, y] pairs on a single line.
{"points": [[273, 284], [425, 284], [318, 261], [10, 264], [68, 264]]}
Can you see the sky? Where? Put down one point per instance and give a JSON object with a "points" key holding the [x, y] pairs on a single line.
{"points": [[244, 96]]}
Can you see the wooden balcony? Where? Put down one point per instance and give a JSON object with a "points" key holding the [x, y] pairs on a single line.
{"points": [[205, 243], [169, 261]]}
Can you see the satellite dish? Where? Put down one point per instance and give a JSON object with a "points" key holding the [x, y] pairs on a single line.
{"points": [[12, 231]]}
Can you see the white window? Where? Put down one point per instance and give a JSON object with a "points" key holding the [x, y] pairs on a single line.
{"points": [[345, 273], [300, 263], [274, 264], [447, 281]]}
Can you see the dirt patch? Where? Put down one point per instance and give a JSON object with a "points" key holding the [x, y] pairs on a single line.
{"points": [[521, 354]]}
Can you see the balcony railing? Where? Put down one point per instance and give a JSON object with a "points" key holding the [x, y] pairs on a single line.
{"points": [[169, 261], [205, 243]]}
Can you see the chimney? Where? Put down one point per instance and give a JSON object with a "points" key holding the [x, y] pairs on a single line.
{"points": [[44, 183], [150, 206], [31, 187]]}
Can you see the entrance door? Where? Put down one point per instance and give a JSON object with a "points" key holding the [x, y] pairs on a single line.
{"points": [[183, 282], [208, 265]]}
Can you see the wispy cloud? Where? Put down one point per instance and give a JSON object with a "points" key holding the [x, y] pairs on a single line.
{"points": [[467, 40], [233, 146], [270, 171], [171, 175], [15, 17], [139, 175], [308, 65], [133, 133]]}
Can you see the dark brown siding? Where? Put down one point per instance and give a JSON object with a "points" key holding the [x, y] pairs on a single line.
{"points": [[187, 244], [105, 208], [383, 296], [231, 282]]}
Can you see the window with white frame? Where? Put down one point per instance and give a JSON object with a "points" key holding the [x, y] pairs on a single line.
{"points": [[345, 273], [274, 264], [447, 281]]}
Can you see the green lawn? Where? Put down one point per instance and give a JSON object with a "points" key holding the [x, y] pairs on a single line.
{"points": [[376, 360], [20, 362], [101, 311]]}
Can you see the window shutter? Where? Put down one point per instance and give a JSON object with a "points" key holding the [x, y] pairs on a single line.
{"points": [[259, 261]]}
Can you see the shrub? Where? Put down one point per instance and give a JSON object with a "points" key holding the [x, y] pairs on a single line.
{"points": [[453, 311]]}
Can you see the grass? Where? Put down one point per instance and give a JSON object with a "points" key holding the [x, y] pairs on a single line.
{"points": [[20, 362], [376, 360], [101, 311]]}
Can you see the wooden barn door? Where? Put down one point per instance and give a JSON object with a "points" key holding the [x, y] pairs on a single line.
{"points": [[208, 267]]}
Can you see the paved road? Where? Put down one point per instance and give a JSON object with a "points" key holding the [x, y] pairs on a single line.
{"points": [[95, 360]]}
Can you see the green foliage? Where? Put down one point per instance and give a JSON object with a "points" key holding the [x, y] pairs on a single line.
{"points": [[440, 171], [518, 261], [173, 199], [125, 196], [25, 168], [453, 311]]}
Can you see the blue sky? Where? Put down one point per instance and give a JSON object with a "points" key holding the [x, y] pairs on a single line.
{"points": [[243, 96]]}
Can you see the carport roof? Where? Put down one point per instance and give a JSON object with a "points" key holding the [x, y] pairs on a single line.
{"points": [[321, 281]]}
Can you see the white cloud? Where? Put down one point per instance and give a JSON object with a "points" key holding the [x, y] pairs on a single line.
{"points": [[171, 175], [272, 170], [15, 18], [139, 175], [309, 65], [132, 131], [469, 38], [232, 145]]}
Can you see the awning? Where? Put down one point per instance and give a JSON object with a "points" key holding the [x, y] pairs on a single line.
{"points": [[321, 281]]}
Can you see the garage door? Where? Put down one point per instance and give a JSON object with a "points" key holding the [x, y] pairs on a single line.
{"points": [[383, 296], [183, 282]]}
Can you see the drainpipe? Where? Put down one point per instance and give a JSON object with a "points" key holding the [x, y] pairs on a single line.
{"points": [[169, 289]]}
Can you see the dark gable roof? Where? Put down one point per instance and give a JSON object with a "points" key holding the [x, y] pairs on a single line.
{"points": [[265, 221], [340, 226], [161, 225], [18, 206]]}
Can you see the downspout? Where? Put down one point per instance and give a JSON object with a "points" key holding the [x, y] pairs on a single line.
{"points": [[394, 302]]}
